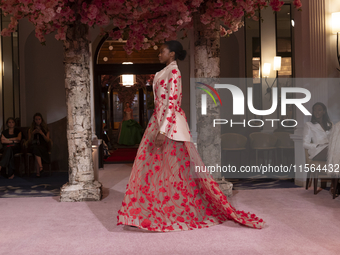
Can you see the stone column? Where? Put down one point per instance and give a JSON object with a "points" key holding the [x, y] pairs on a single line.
{"points": [[207, 65], [193, 112], [82, 185]]}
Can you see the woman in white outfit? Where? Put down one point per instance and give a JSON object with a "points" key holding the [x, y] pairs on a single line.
{"points": [[317, 135], [317, 132]]}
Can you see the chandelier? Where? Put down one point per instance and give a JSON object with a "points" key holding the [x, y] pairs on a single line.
{"points": [[128, 80]]}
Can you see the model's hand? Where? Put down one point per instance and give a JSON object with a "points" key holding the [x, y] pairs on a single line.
{"points": [[160, 138], [41, 132]]}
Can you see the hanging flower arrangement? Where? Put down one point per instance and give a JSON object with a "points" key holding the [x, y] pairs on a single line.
{"points": [[143, 23]]}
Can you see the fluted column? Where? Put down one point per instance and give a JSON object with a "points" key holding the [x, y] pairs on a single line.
{"points": [[311, 68]]}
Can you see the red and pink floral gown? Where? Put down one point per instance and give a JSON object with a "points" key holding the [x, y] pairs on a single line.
{"points": [[164, 192]]}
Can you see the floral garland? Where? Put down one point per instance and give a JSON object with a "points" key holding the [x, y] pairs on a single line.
{"points": [[143, 23]]}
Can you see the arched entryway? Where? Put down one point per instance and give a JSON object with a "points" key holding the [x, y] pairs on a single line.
{"points": [[108, 66]]}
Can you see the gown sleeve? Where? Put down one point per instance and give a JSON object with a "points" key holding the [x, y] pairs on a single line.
{"points": [[171, 102], [307, 138]]}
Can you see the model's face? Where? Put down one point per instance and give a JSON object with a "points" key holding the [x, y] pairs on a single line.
{"points": [[37, 120], [11, 124], [318, 111], [127, 105], [165, 55]]}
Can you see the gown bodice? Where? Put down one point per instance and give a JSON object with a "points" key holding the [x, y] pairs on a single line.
{"points": [[167, 89], [128, 115]]}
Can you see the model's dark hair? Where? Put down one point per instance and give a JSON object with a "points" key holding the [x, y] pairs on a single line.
{"points": [[326, 122], [176, 47], [10, 118], [43, 124]]}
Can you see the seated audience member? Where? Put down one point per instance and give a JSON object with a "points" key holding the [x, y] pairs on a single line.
{"points": [[10, 139], [38, 142], [316, 133]]}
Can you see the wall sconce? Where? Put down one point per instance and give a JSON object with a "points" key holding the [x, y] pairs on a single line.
{"points": [[128, 80], [277, 64], [336, 30], [266, 69], [266, 72]]}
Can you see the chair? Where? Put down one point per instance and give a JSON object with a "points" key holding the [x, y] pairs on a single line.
{"points": [[19, 155], [30, 155], [284, 142], [261, 142], [316, 175], [233, 142]]}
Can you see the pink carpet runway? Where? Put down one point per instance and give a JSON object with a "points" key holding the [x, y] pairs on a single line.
{"points": [[298, 222]]}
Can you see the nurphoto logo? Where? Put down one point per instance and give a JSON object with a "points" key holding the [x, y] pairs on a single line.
{"points": [[238, 103]]}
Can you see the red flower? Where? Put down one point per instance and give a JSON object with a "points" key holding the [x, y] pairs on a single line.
{"points": [[170, 98], [157, 168], [150, 144], [163, 96], [208, 212], [193, 225], [174, 71], [146, 223], [166, 198], [162, 189], [192, 184], [135, 211], [198, 202], [129, 192], [180, 219], [162, 82], [175, 97], [133, 199], [170, 228], [142, 200], [176, 196], [187, 163]]}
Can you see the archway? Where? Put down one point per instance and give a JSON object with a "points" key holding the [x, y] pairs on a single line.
{"points": [[108, 61]]}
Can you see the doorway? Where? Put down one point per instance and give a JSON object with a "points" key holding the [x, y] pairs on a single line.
{"points": [[111, 62]]}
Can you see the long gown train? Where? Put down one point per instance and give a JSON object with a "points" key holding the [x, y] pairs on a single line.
{"points": [[164, 192]]}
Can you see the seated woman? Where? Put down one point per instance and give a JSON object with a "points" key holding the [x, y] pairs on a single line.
{"points": [[38, 140], [316, 133], [10, 139], [131, 131]]}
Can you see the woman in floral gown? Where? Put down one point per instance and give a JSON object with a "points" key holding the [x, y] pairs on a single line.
{"points": [[164, 193]]}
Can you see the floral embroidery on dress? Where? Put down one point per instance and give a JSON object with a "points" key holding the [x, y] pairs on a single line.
{"points": [[163, 194]]}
